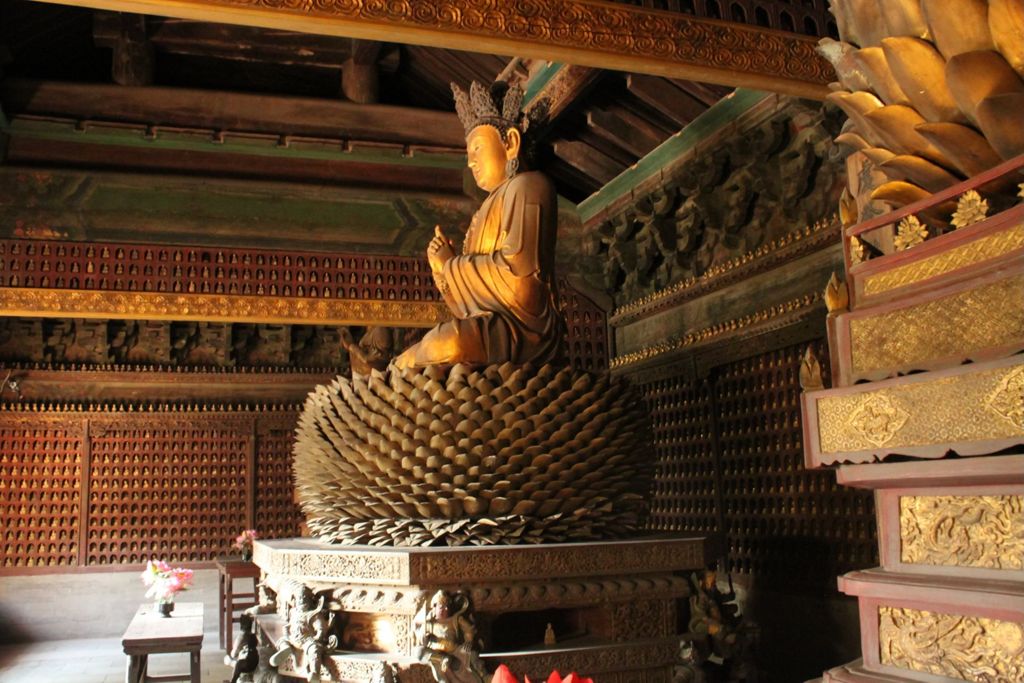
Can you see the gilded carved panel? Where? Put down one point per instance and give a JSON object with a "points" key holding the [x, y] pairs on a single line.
{"points": [[216, 307], [976, 406], [963, 647], [963, 531], [963, 256], [956, 325]]}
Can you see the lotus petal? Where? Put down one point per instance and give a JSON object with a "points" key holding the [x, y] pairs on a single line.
{"points": [[959, 26], [1001, 119], [1006, 22], [876, 69], [976, 76], [966, 149], [920, 71]]}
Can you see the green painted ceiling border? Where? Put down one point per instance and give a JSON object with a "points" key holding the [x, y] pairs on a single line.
{"points": [[721, 114], [268, 147]]}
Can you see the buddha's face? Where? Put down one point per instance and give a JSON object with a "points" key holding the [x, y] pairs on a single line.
{"points": [[488, 153]]}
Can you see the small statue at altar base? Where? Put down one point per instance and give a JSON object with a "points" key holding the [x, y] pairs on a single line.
{"points": [[446, 637], [719, 637], [244, 655], [308, 632]]}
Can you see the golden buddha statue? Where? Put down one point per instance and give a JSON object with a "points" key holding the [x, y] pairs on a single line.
{"points": [[500, 289]]}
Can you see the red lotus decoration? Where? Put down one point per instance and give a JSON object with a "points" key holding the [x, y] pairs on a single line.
{"points": [[503, 675]]}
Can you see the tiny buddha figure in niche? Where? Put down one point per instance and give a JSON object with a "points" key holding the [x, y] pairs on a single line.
{"points": [[500, 289]]}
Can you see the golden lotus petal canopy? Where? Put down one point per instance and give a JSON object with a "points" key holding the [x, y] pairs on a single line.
{"points": [[943, 92]]}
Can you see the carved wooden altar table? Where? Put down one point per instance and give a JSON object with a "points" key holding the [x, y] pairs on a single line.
{"points": [[612, 604], [149, 633]]}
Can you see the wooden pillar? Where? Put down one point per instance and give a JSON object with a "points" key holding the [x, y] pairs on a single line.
{"points": [[360, 79], [133, 52]]}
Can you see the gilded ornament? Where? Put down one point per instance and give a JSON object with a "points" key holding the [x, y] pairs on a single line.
{"points": [[909, 233], [837, 296], [946, 261], [967, 648], [878, 418], [857, 251], [29, 302], [953, 326], [736, 326], [947, 410], [1007, 400], [810, 371], [970, 209], [963, 531]]}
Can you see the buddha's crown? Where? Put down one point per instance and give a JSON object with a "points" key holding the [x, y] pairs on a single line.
{"points": [[500, 106]]}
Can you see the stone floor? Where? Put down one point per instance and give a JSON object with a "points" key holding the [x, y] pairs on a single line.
{"points": [[98, 660]]}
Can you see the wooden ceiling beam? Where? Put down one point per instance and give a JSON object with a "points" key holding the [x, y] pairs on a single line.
{"points": [[233, 111], [664, 97], [675, 45], [588, 160], [621, 133]]}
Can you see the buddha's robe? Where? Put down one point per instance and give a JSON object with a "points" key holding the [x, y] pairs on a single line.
{"points": [[501, 288]]}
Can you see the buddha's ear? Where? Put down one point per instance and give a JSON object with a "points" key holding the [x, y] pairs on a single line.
{"points": [[513, 140]]}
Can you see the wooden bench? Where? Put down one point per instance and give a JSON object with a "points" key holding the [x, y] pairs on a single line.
{"points": [[149, 634]]}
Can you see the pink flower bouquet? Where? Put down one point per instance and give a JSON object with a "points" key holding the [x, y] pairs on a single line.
{"points": [[243, 542], [164, 581]]}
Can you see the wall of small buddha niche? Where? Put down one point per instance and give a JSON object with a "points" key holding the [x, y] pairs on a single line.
{"points": [[133, 439]]}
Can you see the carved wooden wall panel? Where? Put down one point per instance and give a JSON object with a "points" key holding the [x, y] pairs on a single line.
{"points": [[190, 316], [277, 515], [122, 267], [685, 488], [109, 485], [40, 495], [730, 459], [166, 489], [586, 329]]}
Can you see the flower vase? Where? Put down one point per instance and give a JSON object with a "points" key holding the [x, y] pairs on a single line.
{"points": [[165, 608], [247, 554]]}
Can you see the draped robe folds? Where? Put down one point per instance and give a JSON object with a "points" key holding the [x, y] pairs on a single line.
{"points": [[501, 288]]}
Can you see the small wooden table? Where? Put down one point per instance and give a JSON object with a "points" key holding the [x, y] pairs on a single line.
{"points": [[149, 634], [229, 569]]}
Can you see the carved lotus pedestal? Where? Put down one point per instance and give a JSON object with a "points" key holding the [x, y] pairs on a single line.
{"points": [[611, 604]]}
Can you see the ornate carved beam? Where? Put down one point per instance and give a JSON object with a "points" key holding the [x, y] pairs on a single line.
{"points": [[35, 302], [584, 32]]}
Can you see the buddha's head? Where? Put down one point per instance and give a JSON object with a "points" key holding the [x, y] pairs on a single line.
{"points": [[491, 155], [495, 126]]}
